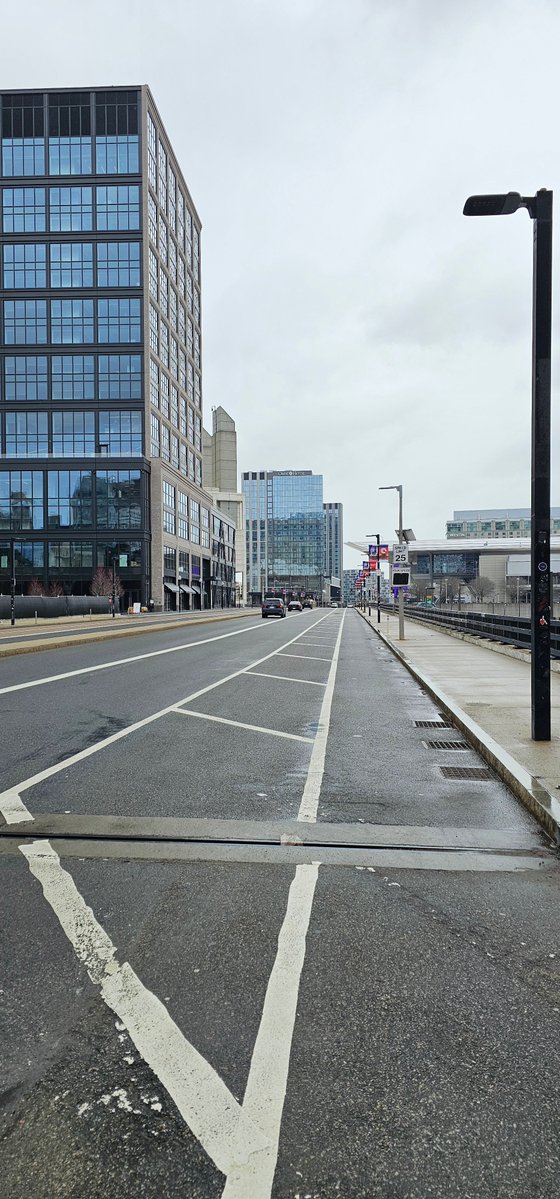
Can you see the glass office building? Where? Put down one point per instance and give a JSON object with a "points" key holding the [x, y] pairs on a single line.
{"points": [[285, 532], [100, 352], [334, 546]]}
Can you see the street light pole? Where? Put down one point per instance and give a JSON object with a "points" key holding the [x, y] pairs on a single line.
{"points": [[398, 487], [12, 583], [539, 208], [113, 588]]}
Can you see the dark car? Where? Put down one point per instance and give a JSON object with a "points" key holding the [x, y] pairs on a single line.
{"points": [[295, 606], [308, 603], [273, 607]]}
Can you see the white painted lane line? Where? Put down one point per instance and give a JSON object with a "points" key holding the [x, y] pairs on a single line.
{"points": [[212, 1113], [321, 644], [13, 808], [268, 1075], [157, 653], [305, 657], [312, 790], [7, 797], [285, 678], [238, 724]]}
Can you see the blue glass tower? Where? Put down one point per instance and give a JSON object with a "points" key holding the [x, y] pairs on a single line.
{"points": [[285, 531]]}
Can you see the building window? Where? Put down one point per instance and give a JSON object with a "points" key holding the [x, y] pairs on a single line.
{"points": [[174, 406], [151, 135], [164, 343], [24, 210], [71, 264], [152, 274], [198, 472], [169, 560], [175, 451], [73, 377], [168, 508], [69, 156], [191, 466], [70, 499], [116, 130], [119, 321], [73, 434], [21, 499], [26, 379], [163, 292], [162, 176], [25, 322], [183, 458], [164, 394], [118, 264], [70, 555], [72, 322], [120, 433], [120, 377], [27, 434], [195, 522], [70, 209], [23, 130], [165, 448], [154, 327], [174, 358], [172, 260], [154, 427], [191, 425], [25, 265], [162, 240], [118, 499], [118, 207], [182, 370], [152, 220], [154, 384], [171, 198], [69, 133], [181, 279]]}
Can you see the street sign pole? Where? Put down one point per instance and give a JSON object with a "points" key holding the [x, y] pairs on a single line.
{"points": [[401, 591], [540, 467], [378, 582]]}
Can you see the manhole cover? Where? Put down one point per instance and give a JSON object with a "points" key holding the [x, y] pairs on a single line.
{"points": [[433, 724], [465, 772], [446, 745]]}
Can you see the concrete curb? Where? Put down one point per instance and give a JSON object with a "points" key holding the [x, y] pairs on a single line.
{"points": [[497, 647], [544, 806], [15, 648]]}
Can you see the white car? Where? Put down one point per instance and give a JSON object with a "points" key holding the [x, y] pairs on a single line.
{"points": [[333, 604]]}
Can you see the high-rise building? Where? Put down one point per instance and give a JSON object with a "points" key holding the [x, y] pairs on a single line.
{"points": [[100, 352], [334, 547], [285, 532], [219, 478]]}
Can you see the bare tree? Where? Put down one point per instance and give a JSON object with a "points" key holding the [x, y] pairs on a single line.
{"points": [[35, 587], [56, 589], [449, 588], [102, 583], [482, 587]]}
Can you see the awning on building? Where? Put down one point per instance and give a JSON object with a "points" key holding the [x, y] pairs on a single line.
{"points": [[171, 586], [187, 590], [196, 589]]}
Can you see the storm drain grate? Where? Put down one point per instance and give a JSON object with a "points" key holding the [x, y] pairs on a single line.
{"points": [[433, 724], [446, 745], [465, 772]]}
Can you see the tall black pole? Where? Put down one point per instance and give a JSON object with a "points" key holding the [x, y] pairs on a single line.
{"points": [[540, 467], [12, 583], [378, 539]]}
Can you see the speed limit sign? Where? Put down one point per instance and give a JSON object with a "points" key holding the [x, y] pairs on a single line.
{"points": [[400, 554]]}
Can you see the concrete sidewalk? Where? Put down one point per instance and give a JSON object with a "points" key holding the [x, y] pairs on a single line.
{"points": [[488, 696]]}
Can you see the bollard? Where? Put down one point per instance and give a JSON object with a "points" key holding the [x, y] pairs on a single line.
{"points": [[35, 616], [369, 609]]}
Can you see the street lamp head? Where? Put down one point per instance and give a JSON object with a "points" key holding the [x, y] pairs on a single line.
{"points": [[494, 205]]}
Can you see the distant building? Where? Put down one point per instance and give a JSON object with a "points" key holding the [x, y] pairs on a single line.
{"points": [[219, 476], [496, 522], [333, 547], [285, 532]]}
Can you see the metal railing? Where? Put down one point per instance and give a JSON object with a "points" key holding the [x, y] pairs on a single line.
{"points": [[511, 630]]}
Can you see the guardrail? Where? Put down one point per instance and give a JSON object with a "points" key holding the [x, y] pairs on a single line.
{"points": [[511, 630]]}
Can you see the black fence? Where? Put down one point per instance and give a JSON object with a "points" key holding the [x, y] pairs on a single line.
{"points": [[510, 630], [26, 607]]}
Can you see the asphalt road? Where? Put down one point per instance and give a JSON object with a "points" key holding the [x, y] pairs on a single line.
{"points": [[255, 943]]}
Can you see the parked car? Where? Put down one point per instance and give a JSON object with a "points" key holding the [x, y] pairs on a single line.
{"points": [[294, 606], [272, 607]]}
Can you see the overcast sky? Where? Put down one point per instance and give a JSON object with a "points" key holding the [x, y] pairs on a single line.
{"points": [[354, 322]]}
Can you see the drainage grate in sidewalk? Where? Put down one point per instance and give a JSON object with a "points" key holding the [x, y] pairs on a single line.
{"points": [[433, 724], [465, 772], [446, 745]]}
